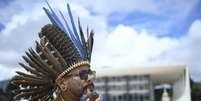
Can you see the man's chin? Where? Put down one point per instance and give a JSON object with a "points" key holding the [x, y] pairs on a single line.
{"points": [[89, 93], [88, 89]]}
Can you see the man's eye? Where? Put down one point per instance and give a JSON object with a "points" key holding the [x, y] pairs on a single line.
{"points": [[83, 72], [76, 77]]}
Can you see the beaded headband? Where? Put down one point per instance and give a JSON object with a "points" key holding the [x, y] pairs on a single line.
{"points": [[73, 66]]}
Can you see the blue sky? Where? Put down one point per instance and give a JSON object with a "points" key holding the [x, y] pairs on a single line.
{"points": [[128, 33], [176, 25], [1, 26]]}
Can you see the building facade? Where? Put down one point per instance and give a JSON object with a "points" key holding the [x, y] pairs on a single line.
{"points": [[138, 83], [125, 88]]}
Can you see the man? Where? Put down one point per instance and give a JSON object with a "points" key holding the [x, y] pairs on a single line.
{"points": [[59, 67]]}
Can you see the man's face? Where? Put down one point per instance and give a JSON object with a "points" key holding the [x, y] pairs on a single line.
{"points": [[78, 81]]}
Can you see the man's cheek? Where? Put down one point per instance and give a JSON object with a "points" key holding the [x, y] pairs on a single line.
{"points": [[75, 85]]}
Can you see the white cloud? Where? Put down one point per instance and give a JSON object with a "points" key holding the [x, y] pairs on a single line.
{"points": [[188, 51], [7, 73], [195, 31], [15, 22], [19, 34], [126, 46], [17, 7], [9, 58], [107, 7], [172, 8]]}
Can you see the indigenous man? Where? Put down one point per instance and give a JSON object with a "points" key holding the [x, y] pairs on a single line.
{"points": [[58, 69]]}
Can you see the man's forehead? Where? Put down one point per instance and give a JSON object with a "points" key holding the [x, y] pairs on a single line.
{"points": [[84, 68], [81, 68]]}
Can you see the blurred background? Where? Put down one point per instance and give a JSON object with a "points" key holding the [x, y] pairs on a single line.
{"points": [[129, 33]]}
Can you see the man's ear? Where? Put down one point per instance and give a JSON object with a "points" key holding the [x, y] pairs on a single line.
{"points": [[62, 84], [59, 81]]}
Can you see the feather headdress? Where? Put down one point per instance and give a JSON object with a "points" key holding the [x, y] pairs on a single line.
{"points": [[59, 50]]}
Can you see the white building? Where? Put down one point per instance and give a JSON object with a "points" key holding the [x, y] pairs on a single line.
{"points": [[137, 83]]}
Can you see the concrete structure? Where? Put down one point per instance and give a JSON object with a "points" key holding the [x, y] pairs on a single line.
{"points": [[165, 96], [149, 76]]}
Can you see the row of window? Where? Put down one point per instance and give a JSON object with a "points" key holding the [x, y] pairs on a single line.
{"points": [[127, 97], [123, 78], [122, 87]]}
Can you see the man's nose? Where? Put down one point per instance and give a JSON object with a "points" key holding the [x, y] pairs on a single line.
{"points": [[91, 77]]}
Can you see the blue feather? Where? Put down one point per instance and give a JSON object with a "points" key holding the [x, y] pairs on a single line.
{"points": [[70, 34], [50, 16], [75, 30], [56, 18], [73, 35], [72, 22]]}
